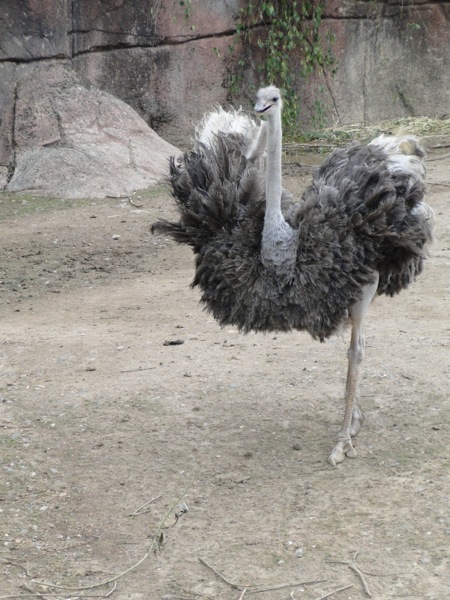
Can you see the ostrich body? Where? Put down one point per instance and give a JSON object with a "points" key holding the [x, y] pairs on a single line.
{"points": [[267, 263]]}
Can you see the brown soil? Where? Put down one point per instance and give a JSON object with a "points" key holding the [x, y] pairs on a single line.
{"points": [[118, 392]]}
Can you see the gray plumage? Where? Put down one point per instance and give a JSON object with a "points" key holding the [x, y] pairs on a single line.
{"points": [[353, 219], [265, 262]]}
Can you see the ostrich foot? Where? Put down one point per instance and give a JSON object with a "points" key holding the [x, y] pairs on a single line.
{"points": [[340, 451]]}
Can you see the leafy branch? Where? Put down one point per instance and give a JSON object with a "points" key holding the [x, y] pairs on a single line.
{"points": [[287, 34]]}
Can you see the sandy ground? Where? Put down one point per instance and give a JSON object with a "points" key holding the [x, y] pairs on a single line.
{"points": [[121, 398]]}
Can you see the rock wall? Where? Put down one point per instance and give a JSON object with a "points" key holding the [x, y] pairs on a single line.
{"points": [[393, 60], [170, 67], [170, 62]]}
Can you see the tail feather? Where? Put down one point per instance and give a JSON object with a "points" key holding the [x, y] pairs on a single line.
{"points": [[381, 186], [232, 123], [215, 182], [213, 187], [405, 154], [409, 145]]}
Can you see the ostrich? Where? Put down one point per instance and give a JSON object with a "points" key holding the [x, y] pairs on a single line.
{"points": [[267, 263]]}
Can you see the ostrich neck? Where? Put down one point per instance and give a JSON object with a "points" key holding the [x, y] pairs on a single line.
{"points": [[273, 177], [277, 235]]}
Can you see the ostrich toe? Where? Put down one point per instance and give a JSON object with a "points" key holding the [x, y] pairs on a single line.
{"points": [[340, 451]]}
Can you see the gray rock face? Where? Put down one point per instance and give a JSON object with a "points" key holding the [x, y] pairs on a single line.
{"points": [[34, 30], [167, 61], [77, 141], [7, 101], [391, 59], [171, 63]]}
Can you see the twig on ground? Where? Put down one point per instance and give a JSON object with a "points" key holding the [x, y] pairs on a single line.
{"points": [[281, 586], [191, 594], [341, 589], [6, 561], [243, 593], [219, 574], [154, 546], [437, 157], [137, 370], [85, 543], [353, 565], [357, 570], [33, 592], [139, 510], [47, 594], [27, 595], [256, 588], [111, 590]]}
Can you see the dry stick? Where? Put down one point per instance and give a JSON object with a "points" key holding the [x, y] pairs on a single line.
{"points": [[153, 546], [6, 561], [240, 587], [138, 510], [437, 157], [353, 565], [341, 589], [27, 595], [137, 370], [45, 594], [285, 585], [357, 570], [308, 145], [243, 593], [113, 589], [196, 594], [34, 593], [219, 574]]}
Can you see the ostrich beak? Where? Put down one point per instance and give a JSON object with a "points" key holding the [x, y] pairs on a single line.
{"points": [[261, 107]]}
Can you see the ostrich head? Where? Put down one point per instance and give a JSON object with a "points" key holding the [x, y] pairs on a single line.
{"points": [[268, 101]]}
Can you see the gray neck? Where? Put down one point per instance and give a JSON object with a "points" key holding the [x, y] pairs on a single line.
{"points": [[273, 179], [277, 236]]}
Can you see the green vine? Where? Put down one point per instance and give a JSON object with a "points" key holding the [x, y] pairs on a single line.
{"points": [[282, 30], [187, 7]]}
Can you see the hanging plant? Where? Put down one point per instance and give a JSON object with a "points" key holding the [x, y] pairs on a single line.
{"points": [[282, 29]]}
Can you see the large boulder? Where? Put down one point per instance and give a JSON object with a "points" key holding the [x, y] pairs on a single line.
{"points": [[74, 140], [169, 60], [162, 83]]}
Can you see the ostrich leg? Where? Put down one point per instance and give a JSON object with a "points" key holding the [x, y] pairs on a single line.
{"points": [[353, 416]]}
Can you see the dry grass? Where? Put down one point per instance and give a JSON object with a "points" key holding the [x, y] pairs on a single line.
{"points": [[333, 137]]}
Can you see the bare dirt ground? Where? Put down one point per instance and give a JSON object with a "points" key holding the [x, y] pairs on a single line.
{"points": [[108, 421]]}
